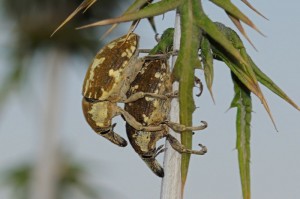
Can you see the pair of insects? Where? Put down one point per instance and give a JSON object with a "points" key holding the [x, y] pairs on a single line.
{"points": [[116, 75]]}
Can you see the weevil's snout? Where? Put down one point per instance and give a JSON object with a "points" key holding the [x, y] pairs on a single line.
{"points": [[149, 159], [112, 136], [153, 164]]}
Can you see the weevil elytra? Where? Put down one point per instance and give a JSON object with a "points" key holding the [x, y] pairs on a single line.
{"points": [[107, 81], [154, 77], [113, 69]]}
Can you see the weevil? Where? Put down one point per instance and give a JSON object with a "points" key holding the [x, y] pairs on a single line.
{"points": [[154, 77], [106, 83]]}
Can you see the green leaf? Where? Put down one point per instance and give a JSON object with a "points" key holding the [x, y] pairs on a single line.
{"points": [[242, 101], [184, 72], [234, 11], [211, 29], [165, 44], [207, 61], [252, 8], [152, 10], [239, 26], [267, 82], [261, 77], [243, 71]]}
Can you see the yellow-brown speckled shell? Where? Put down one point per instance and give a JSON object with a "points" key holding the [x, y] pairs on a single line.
{"points": [[112, 70], [154, 77]]}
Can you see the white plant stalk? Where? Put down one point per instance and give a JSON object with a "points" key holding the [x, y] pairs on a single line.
{"points": [[171, 183]]}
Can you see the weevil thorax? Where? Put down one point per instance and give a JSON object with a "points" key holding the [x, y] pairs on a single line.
{"points": [[113, 69]]}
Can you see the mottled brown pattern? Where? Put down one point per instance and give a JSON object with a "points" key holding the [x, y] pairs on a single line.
{"points": [[147, 81], [98, 77]]}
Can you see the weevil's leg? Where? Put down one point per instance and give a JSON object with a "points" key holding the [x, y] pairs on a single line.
{"points": [[180, 127], [140, 95], [138, 126], [159, 150], [144, 50], [113, 137], [157, 56], [176, 145], [198, 82], [173, 53]]}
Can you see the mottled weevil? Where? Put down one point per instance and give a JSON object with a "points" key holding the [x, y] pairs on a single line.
{"points": [[154, 77], [107, 81]]}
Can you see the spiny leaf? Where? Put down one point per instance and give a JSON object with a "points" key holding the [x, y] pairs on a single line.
{"points": [[184, 72], [261, 77], [248, 81], [238, 24], [152, 10], [252, 8], [84, 5], [132, 8], [213, 31], [207, 60], [234, 11], [244, 72], [242, 101], [267, 82]]}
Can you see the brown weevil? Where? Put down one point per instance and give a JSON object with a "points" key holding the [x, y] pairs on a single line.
{"points": [[154, 77], [107, 81]]}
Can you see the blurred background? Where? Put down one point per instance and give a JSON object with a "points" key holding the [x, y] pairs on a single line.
{"points": [[48, 151]]}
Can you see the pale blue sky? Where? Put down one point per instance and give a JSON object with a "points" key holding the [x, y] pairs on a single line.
{"points": [[275, 158]]}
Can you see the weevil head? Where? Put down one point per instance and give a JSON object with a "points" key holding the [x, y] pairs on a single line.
{"points": [[154, 165], [98, 115], [144, 144]]}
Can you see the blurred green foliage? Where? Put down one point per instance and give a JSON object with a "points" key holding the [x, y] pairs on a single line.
{"points": [[70, 178]]}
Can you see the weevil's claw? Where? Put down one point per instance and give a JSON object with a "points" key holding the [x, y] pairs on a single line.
{"points": [[159, 150], [198, 82], [204, 124], [177, 146], [173, 94], [203, 149]]}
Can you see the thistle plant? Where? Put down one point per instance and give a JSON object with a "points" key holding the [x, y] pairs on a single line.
{"points": [[202, 41]]}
